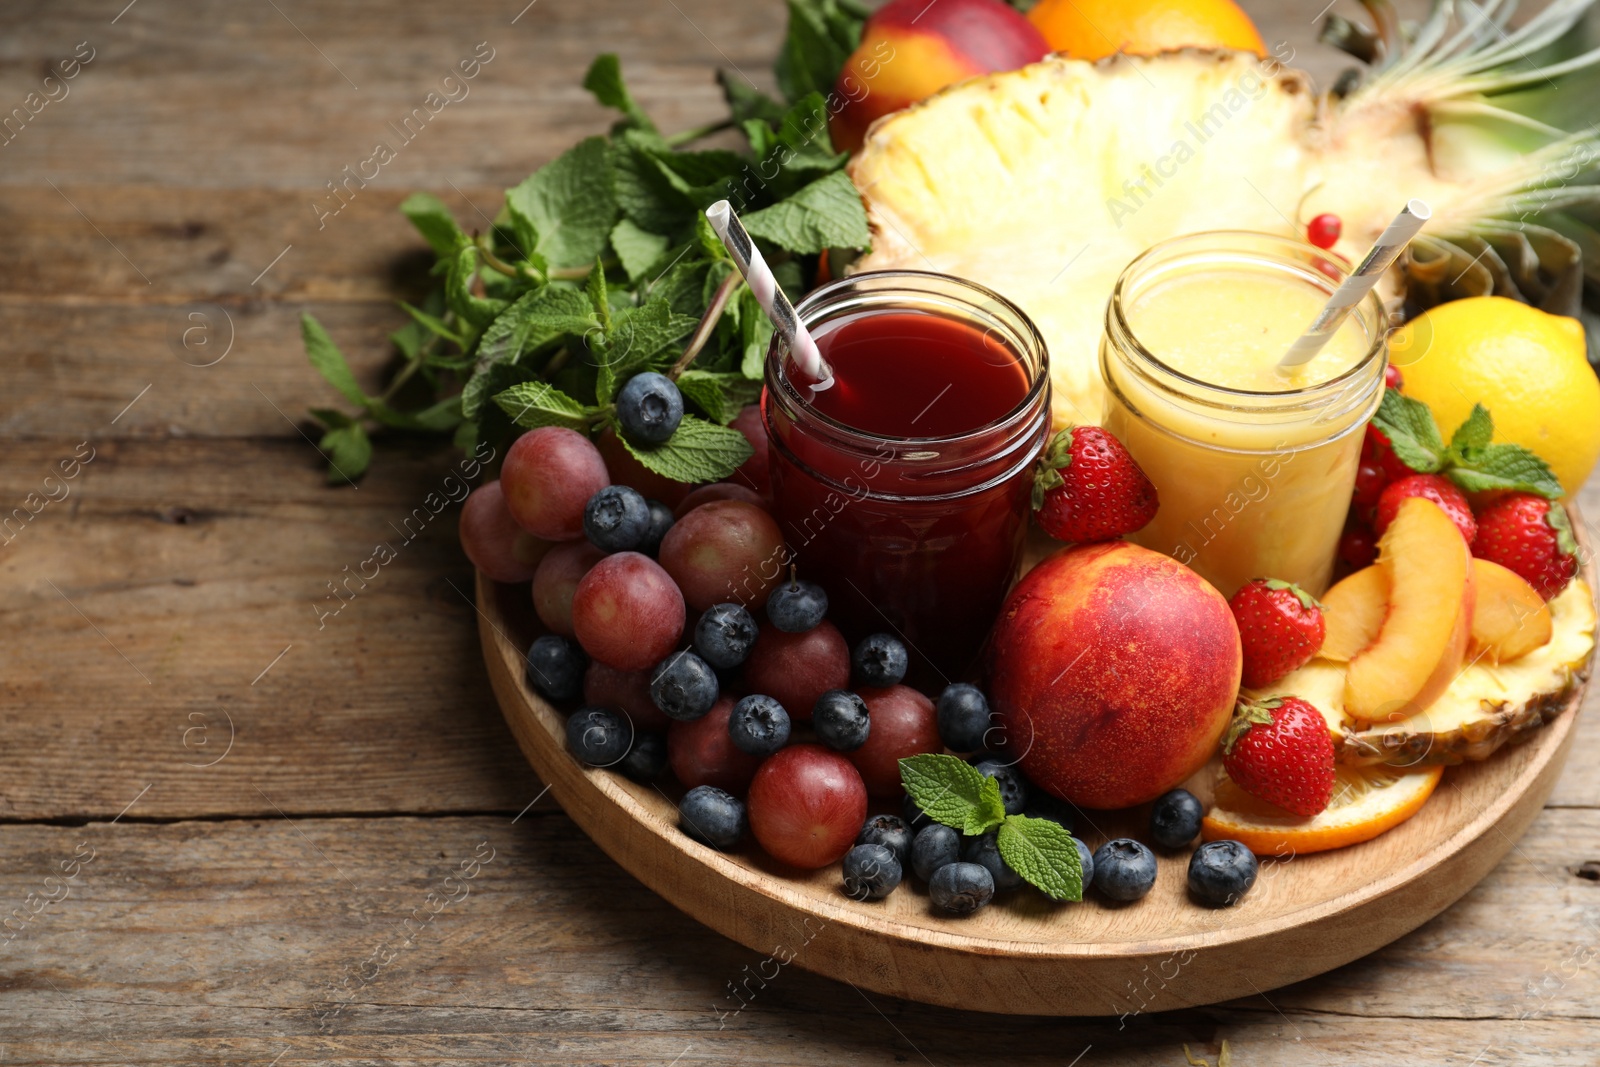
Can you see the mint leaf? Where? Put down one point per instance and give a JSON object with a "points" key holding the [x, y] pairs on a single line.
{"points": [[720, 395], [564, 210], [437, 417], [1044, 854], [746, 101], [950, 790], [594, 287], [1473, 435], [329, 361], [637, 248], [636, 339], [755, 333], [476, 311], [1506, 467], [535, 404], [1412, 433], [432, 323], [644, 191], [349, 451], [434, 221], [604, 80], [821, 36], [533, 320], [699, 451], [825, 214]]}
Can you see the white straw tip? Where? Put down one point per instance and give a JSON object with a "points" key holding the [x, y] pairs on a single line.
{"points": [[1419, 208], [718, 213]]}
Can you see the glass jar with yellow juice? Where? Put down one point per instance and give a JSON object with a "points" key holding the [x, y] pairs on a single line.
{"points": [[1254, 466]]}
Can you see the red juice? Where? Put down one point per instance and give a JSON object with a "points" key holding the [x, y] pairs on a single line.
{"points": [[904, 489]]}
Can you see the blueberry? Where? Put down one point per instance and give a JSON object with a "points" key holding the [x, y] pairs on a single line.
{"points": [[961, 888], [1085, 861], [841, 720], [1042, 805], [1124, 869], [1175, 818], [684, 686], [646, 759], [712, 817], [616, 519], [556, 666], [890, 831], [758, 725], [934, 846], [1013, 787], [725, 635], [599, 737], [871, 872], [984, 851], [963, 717], [880, 660], [912, 814], [796, 606], [649, 408], [1221, 872], [661, 520]]}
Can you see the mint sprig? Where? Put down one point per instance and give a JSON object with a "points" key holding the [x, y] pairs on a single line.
{"points": [[951, 791], [1470, 460]]}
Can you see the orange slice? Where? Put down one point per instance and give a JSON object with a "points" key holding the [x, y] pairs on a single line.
{"points": [[1366, 802]]}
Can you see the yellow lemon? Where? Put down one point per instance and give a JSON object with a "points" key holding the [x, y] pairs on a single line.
{"points": [[1526, 366]]}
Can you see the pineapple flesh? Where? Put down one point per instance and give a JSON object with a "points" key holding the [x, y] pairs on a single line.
{"points": [[1486, 705], [1044, 182]]}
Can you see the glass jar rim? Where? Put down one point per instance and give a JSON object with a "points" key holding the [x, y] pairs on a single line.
{"points": [[1115, 315], [1030, 338]]}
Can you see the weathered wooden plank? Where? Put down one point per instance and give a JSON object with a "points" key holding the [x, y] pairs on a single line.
{"points": [[318, 940], [141, 609]]}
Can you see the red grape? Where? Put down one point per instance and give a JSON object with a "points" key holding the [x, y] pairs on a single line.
{"points": [[705, 494], [806, 806], [795, 669], [628, 691], [753, 471], [904, 723], [548, 475], [725, 551], [625, 470], [493, 541], [627, 613], [1370, 481], [702, 753], [557, 579]]}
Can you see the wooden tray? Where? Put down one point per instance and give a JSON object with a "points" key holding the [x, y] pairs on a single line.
{"points": [[1023, 954]]}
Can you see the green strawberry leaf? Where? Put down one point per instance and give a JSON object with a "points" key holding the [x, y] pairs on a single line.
{"points": [[1556, 518], [1412, 433], [1248, 713], [951, 791], [1307, 601], [1044, 854]]}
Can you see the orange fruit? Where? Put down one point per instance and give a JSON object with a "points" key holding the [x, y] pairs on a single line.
{"points": [[1366, 802], [1092, 29]]}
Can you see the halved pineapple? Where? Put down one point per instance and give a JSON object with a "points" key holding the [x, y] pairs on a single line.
{"points": [[1044, 182], [1485, 706]]}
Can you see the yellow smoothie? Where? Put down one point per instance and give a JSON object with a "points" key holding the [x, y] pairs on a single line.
{"points": [[1254, 468]]}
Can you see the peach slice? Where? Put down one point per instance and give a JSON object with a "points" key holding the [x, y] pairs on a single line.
{"points": [[1510, 619], [1353, 611], [1420, 647]]}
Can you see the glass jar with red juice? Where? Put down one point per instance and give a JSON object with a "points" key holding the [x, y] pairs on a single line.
{"points": [[904, 488]]}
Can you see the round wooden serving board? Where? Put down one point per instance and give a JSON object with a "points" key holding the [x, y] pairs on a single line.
{"points": [[1023, 954]]}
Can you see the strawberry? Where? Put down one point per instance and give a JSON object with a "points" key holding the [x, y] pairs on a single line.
{"points": [[1280, 628], [1434, 487], [1089, 489], [1279, 750], [1531, 536]]}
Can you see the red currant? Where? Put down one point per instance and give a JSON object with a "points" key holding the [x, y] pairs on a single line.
{"points": [[1323, 231], [1391, 377]]}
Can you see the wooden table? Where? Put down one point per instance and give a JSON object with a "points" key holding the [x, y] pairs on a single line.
{"points": [[257, 812]]}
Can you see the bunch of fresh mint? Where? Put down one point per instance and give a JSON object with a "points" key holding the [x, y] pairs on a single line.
{"points": [[1469, 459], [950, 790], [601, 265]]}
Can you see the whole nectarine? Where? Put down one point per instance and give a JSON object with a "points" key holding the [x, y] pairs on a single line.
{"points": [[1114, 670], [910, 49]]}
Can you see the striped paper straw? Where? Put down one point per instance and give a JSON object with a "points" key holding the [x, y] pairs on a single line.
{"points": [[747, 257], [1390, 244]]}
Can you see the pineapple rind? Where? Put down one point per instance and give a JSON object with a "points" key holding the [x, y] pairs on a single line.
{"points": [[1486, 706]]}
